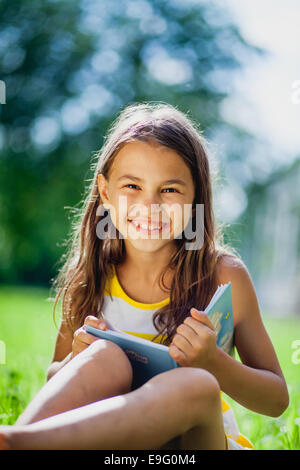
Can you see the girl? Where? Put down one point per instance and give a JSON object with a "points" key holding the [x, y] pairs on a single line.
{"points": [[131, 266]]}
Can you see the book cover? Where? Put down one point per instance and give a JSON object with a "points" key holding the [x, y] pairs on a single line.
{"points": [[220, 313], [149, 359]]}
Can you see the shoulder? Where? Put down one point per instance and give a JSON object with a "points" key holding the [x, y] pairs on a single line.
{"points": [[230, 267]]}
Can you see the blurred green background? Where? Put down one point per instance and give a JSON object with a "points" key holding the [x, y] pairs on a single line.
{"points": [[68, 69]]}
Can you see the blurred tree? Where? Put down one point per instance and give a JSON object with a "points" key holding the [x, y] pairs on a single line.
{"points": [[69, 68], [270, 238]]}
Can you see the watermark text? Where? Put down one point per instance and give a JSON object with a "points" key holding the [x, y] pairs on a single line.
{"points": [[165, 221], [296, 354], [2, 353], [2, 92]]}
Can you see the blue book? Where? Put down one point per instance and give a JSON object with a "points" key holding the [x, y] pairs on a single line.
{"points": [[220, 313], [149, 359]]}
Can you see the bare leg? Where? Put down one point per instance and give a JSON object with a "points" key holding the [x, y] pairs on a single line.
{"points": [[100, 371], [205, 436], [169, 405]]}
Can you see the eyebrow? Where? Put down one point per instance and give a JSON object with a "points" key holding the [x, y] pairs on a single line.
{"points": [[170, 181]]}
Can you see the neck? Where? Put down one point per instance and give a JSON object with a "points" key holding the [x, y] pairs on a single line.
{"points": [[147, 265]]}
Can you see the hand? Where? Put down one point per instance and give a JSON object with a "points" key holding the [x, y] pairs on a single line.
{"points": [[82, 339], [194, 344]]}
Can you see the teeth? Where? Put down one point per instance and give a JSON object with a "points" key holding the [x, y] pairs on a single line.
{"points": [[147, 227]]}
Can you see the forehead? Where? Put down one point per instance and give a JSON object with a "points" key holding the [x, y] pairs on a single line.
{"points": [[147, 160]]}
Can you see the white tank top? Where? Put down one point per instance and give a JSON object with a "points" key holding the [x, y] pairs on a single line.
{"points": [[121, 312]]}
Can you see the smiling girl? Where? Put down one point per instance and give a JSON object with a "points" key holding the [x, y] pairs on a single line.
{"points": [[144, 276]]}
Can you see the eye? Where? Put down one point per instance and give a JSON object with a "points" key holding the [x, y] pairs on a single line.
{"points": [[165, 189], [130, 185], [171, 189]]}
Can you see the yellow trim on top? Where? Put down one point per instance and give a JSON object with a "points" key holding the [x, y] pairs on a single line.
{"points": [[147, 336], [225, 406], [244, 441], [117, 291]]}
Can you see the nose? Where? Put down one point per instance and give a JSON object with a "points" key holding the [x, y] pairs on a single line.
{"points": [[147, 210], [154, 212], [152, 207]]}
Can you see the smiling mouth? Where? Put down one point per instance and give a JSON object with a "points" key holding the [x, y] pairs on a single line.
{"points": [[144, 227]]}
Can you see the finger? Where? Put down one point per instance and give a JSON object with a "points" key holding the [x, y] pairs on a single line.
{"points": [[183, 343], [95, 322], [187, 332], [202, 317], [193, 334], [78, 347], [199, 328], [177, 354], [82, 336]]}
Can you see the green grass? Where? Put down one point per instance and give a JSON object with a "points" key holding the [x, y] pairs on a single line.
{"points": [[282, 432], [28, 332]]}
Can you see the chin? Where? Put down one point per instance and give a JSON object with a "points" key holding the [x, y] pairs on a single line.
{"points": [[148, 246]]}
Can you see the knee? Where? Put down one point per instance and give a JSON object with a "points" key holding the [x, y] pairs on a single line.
{"points": [[199, 388], [191, 394], [107, 361], [194, 384], [202, 385], [202, 388]]}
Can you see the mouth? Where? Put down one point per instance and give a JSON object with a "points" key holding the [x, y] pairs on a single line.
{"points": [[148, 228]]}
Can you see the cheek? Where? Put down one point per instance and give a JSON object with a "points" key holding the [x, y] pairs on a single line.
{"points": [[179, 216], [121, 209], [121, 203]]}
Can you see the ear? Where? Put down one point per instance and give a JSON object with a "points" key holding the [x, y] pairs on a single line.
{"points": [[102, 188]]}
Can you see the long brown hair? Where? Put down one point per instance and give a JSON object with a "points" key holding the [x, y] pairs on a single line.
{"points": [[89, 260]]}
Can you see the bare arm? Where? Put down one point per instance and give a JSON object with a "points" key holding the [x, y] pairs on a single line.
{"points": [[258, 382], [63, 350]]}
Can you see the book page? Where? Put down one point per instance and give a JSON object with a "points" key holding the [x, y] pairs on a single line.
{"points": [[216, 296]]}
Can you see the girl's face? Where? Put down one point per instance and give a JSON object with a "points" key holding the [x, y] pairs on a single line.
{"points": [[149, 192]]}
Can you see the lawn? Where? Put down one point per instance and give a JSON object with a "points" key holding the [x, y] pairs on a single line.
{"points": [[27, 338]]}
